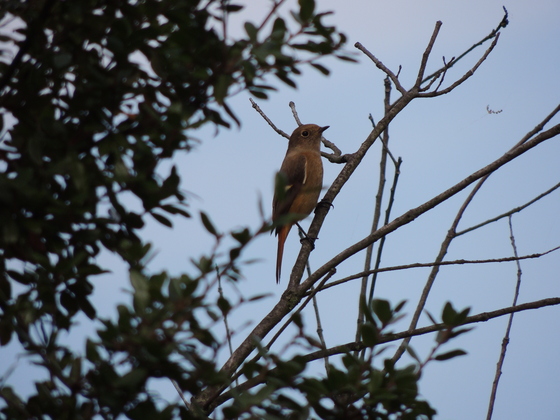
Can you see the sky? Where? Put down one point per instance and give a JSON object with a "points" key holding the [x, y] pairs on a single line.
{"points": [[441, 141]]}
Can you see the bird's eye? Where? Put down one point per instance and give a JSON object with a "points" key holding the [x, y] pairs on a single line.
{"points": [[305, 133]]}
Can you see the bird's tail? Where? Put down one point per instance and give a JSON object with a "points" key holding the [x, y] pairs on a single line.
{"points": [[282, 233]]}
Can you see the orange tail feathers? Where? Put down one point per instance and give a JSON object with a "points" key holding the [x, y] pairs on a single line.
{"points": [[282, 233]]}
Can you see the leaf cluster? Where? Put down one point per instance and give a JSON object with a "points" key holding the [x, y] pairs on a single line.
{"points": [[94, 97]]}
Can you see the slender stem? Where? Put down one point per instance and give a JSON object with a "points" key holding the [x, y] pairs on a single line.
{"points": [[431, 264], [505, 340], [510, 212], [320, 331], [388, 338], [376, 212], [386, 221]]}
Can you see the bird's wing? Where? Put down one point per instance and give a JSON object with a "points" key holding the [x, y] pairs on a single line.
{"points": [[294, 169]]}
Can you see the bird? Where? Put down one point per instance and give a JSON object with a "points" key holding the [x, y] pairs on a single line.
{"points": [[298, 183]]}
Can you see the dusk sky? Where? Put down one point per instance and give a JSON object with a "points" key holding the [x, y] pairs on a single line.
{"points": [[441, 141]]}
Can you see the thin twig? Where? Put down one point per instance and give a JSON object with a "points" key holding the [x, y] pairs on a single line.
{"points": [[386, 221], [387, 338], [226, 324], [466, 76], [394, 78], [181, 395], [505, 340], [504, 22], [426, 55], [292, 106], [320, 330], [262, 114], [438, 263], [303, 305], [376, 212], [316, 310], [510, 212]]}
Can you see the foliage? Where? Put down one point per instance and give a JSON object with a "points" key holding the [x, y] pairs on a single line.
{"points": [[95, 95]]}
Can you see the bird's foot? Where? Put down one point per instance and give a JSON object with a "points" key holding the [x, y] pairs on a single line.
{"points": [[323, 203], [305, 237]]}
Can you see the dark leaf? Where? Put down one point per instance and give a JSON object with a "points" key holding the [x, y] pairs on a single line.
{"points": [[321, 68], [251, 31], [306, 9], [242, 236], [5, 332], [208, 224], [162, 219], [231, 7], [448, 314], [369, 334], [450, 355], [382, 309]]}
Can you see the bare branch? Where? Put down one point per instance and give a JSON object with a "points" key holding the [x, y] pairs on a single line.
{"points": [[376, 212], [510, 212], [465, 76], [394, 78], [387, 338], [426, 54], [296, 291], [292, 106], [505, 340], [412, 214], [503, 23], [451, 234], [439, 263], [262, 114]]}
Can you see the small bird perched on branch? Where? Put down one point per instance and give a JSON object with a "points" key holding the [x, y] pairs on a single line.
{"points": [[298, 184]]}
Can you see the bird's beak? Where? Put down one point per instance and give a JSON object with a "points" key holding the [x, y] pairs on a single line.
{"points": [[324, 128]]}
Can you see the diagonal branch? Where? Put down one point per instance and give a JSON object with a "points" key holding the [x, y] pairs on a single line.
{"points": [[296, 291], [451, 234], [388, 338], [394, 78], [268, 120], [426, 55], [412, 214], [509, 212]]}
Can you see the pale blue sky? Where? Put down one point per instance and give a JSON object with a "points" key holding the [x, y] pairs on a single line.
{"points": [[441, 141]]}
